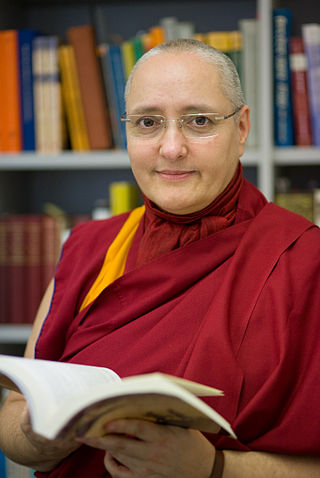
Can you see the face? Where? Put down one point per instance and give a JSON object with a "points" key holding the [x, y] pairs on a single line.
{"points": [[179, 175]]}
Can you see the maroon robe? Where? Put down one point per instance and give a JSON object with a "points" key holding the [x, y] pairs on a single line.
{"points": [[238, 310]]}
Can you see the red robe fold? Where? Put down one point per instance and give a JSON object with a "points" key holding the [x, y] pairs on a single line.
{"points": [[238, 310]]}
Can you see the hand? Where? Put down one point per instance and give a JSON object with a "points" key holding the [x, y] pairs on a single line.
{"points": [[140, 449], [51, 451]]}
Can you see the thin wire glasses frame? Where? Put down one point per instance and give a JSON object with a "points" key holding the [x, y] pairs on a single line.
{"points": [[194, 125]]}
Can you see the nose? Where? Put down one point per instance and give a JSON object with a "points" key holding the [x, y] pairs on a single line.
{"points": [[172, 143]]}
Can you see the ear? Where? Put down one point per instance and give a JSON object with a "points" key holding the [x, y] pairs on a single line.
{"points": [[243, 127]]}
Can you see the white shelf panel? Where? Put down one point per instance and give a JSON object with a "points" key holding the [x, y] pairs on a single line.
{"points": [[14, 334], [88, 160], [64, 161], [297, 156]]}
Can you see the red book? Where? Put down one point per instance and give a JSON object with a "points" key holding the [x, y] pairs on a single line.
{"points": [[51, 241], [4, 303], [300, 98], [16, 272], [83, 40], [32, 266]]}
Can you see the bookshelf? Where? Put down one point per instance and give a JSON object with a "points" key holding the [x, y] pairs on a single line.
{"points": [[21, 173]]}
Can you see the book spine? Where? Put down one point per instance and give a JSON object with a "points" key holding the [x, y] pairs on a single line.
{"points": [[4, 269], [123, 197], [116, 104], [47, 94], [119, 84], [11, 137], [311, 39], [50, 239], [26, 38], [249, 74], [32, 270], [72, 99], [16, 270], [82, 38], [283, 121], [298, 202], [300, 98], [316, 206], [3, 471]]}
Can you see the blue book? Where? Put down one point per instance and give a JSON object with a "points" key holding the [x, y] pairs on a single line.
{"points": [[114, 80], [283, 114], [25, 39], [3, 472], [311, 41]]}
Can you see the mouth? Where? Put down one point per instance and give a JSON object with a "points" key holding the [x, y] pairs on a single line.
{"points": [[174, 175]]}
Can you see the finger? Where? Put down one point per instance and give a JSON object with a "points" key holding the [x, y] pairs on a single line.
{"points": [[114, 467], [141, 429]]}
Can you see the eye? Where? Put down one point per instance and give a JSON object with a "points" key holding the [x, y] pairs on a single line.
{"points": [[200, 121], [147, 122]]}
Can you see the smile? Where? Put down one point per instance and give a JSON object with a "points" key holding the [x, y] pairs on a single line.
{"points": [[169, 175]]}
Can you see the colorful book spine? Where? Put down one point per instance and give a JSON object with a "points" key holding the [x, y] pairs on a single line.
{"points": [[83, 40], [26, 38], [311, 39], [72, 99], [283, 118], [10, 125], [114, 80], [124, 196], [47, 95], [300, 97]]}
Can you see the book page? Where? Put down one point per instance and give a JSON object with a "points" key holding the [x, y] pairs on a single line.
{"points": [[47, 384]]}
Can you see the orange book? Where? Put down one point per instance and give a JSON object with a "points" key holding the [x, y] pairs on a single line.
{"points": [[10, 125], [83, 40]]}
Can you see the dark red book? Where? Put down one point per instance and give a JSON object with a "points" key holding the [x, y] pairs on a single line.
{"points": [[4, 302], [50, 248], [32, 266], [16, 269], [300, 98]]}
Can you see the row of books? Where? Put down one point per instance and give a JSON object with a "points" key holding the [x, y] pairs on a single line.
{"points": [[56, 96], [29, 249], [305, 203], [30, 246], [296, 82]]}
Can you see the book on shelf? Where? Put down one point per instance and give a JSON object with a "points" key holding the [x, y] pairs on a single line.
{"points": [[47, 94], [67, 399], [311, 39], [72, 99], [249, 28], [29, 249], [83, 40], [300, 96], [316, 206], [300, 202], [283, 118], [10, 122], [25, 42], [124, 196], [114, 84]]}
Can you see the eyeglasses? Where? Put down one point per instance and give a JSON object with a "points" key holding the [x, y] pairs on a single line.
{"points": [[193, 126]]}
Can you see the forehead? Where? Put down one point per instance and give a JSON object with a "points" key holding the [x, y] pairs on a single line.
{"points": [[176, 79]]}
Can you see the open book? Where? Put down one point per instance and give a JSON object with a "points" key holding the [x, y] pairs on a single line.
{"points": [[78, 400]]}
